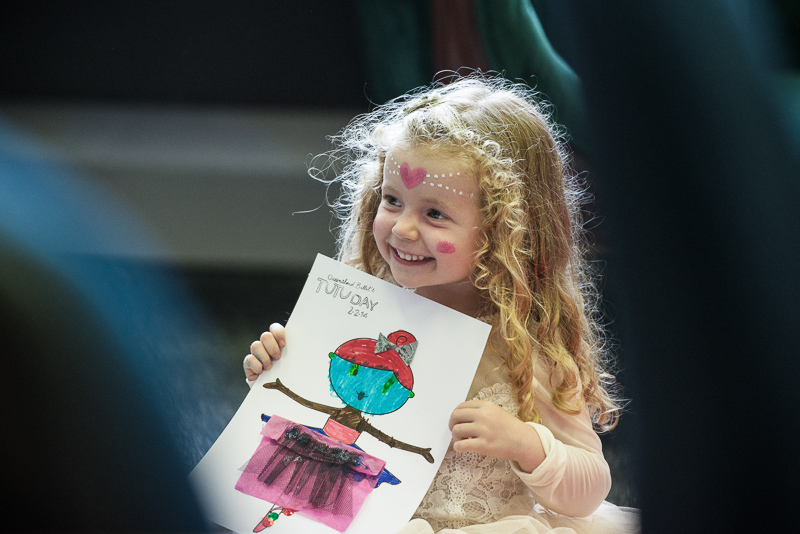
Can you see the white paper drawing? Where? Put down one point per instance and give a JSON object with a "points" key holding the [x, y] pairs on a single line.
{"points": [[368, 364]]}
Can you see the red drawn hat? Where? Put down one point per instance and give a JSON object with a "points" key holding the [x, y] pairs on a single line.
{"points": [[393, 352]]}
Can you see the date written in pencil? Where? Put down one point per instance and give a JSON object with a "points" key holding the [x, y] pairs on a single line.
{"points": [[355, 312]]}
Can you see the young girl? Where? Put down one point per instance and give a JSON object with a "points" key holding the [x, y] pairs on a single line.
{"points": [[462, 192]]}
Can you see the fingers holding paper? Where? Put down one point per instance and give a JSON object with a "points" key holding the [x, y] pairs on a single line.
{"points": [[265, 351]]}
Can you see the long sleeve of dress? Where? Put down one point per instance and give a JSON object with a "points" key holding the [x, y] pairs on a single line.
{"points": [[572, 480], [574, 477]]}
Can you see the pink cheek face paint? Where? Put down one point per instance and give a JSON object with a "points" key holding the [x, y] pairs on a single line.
{"points": [[445, 247]]}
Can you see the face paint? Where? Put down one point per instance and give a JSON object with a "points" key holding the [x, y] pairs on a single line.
{"points": [[445, 247], [411, 177]]}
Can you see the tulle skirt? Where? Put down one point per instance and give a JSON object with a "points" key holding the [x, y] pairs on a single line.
{"points": [[300, 470]]}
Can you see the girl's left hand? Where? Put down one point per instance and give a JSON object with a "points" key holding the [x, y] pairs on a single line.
{"points": [[486, 428]]}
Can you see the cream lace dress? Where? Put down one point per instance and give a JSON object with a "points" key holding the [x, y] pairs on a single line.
{"points": [[478, 494]]}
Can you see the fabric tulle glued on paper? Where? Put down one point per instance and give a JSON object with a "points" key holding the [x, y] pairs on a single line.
{"points": [[294, 467]]}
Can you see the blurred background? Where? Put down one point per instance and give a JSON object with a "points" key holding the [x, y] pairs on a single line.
{"points": [[184, 131]]}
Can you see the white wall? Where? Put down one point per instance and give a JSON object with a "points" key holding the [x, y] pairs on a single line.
{"points": [[219, 186]]}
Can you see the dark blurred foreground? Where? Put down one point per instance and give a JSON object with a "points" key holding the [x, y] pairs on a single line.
{"points": [[108, 392]]}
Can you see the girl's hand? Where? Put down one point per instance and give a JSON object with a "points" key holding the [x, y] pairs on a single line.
{"points": [[486, 428], [264, 351]]}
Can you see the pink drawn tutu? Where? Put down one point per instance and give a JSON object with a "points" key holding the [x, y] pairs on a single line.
{"points": [[320, 477]]}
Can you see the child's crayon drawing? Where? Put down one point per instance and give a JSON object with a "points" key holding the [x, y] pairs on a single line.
{"points": [[371, 376], [342, 414]]}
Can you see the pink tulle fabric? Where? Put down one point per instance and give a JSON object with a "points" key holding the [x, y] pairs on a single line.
{"points": [[320, 477]]}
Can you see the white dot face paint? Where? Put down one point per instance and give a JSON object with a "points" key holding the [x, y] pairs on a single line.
{"points": [[412, 177]]}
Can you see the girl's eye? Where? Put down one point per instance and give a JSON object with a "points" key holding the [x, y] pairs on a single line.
{"points": [[436, 214], [353, 370], [392, 201]]}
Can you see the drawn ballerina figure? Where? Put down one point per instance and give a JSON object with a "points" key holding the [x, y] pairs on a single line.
{"points": [[370, 376], [324, 476]]}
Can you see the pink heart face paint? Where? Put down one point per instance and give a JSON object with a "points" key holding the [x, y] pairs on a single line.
{"points": [[411, 177], [445, 247]]}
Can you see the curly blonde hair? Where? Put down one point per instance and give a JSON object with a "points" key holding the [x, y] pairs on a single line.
{"points": [[531, 267]]}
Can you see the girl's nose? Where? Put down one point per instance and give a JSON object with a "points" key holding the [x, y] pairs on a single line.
{"points": [[405, 227]]}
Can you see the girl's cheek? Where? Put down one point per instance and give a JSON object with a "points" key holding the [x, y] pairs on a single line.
{"points": [[381, 227], [445, 247], [377, 223]]}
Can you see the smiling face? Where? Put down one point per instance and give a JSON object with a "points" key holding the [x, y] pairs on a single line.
{"points": [[426, 227]]}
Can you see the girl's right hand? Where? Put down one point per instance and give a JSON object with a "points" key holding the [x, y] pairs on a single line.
{"points": [[264, 351]]}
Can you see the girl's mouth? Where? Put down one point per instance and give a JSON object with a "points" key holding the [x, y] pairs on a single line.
{"points": [[409, 258]]}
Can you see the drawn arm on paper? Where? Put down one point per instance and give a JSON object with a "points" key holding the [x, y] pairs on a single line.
{"points": [[369, 376]]}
